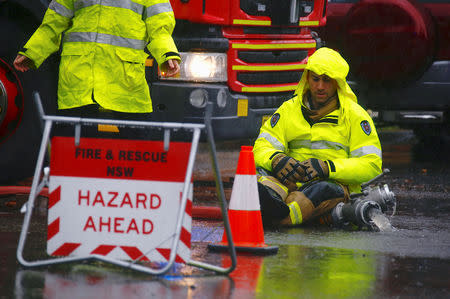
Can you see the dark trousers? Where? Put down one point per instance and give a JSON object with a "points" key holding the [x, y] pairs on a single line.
{"points": [[94, 111]]}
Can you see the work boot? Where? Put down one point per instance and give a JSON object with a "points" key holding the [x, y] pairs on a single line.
{"points": [[314, 202], [271, 200]]}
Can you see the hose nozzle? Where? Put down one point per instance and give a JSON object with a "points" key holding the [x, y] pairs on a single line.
{"points": [[360, 209]]}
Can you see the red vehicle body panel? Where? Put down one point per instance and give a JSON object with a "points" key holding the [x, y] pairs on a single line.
{"points": [[230, 13], [399, 57], [405, 36], [441, 16]]}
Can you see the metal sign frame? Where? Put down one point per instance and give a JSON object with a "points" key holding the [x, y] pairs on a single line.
{"points": [[38, 184]]}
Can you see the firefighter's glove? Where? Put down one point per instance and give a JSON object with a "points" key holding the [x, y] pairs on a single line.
{"points": [[288, 171], [315, 168]]}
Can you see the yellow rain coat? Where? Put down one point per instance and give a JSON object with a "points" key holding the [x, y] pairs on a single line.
{"points": [[346, 137], [103, 49]]}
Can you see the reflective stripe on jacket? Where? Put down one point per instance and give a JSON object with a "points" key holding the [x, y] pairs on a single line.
{"points": [[103, 49], [346, 137]]}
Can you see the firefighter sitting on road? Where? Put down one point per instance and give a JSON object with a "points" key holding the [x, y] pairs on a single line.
{"points": [[318, 147], [103, 58]]}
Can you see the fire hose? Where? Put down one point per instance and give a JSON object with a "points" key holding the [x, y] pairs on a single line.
{"points": [[364, 206]]}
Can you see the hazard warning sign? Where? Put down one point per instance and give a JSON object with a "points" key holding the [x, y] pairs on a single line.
{"points": [[118, 198]]}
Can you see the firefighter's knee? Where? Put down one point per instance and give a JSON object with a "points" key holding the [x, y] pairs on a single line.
{"points": [[315, 200], [271, 199], [320, 191]]}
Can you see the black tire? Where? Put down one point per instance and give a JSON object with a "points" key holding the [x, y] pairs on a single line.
{"points": [[19, 152]]}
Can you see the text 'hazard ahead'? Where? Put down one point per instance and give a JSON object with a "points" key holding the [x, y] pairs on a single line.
{"points": [[114, 199]]}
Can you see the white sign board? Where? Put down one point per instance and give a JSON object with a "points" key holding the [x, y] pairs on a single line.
{"points": [[118, 198]]}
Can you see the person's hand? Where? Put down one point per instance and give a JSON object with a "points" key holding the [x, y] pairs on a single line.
{"points": [[170, 68], [288, 171], [315, 168], [22, 63]]}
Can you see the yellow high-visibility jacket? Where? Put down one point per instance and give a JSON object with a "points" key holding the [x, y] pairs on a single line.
{"points": [[103, 49], [346, 138]]}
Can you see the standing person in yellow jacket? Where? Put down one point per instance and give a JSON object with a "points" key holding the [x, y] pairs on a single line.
{"points": [[103, 58], [318, 147]]}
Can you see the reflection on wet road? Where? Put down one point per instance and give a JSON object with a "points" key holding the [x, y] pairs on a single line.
{"points": [[412, 261]]}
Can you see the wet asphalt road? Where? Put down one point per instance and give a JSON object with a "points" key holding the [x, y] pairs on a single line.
{"points": [[411, 262]]}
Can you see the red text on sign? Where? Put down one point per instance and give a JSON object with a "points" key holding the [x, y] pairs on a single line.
{"points": [[114, 199], [118, 225]]}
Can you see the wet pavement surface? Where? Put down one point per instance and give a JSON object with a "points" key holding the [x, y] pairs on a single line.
{"points": [[413, 261]]}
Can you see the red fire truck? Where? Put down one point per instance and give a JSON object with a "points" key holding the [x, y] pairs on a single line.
{"points": [[244, 56]]}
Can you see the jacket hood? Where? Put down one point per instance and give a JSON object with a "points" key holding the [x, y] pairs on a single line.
{"points": [[329, 62]]}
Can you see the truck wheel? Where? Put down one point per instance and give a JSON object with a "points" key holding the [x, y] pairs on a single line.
{"points": [[11, 101], [19, 122], [389, 42]]}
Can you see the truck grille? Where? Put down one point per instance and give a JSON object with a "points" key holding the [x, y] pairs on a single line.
{"points": [[272, 56], [269, 78], [271, 30], [267, 66]]}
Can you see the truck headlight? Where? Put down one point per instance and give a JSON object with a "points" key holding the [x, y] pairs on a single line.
{"points": [[201, 67]]}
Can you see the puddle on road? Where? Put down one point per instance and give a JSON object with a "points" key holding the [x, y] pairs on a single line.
{"points": [[311, 263], [43, 284], [295, 272]]}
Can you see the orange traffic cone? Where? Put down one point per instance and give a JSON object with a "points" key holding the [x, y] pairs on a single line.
{"points": [[244, 211]]}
